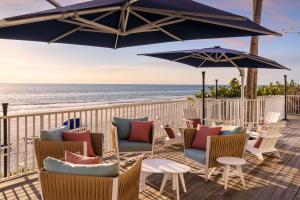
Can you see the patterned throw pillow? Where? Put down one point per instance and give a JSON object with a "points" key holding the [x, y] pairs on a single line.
{"points": [[80, 159]]}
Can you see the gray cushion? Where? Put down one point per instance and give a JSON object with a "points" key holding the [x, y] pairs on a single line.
{"points": [[124, 126], [103, 170], [127, 146], [232, 131], [53, 135], [196, 154]]}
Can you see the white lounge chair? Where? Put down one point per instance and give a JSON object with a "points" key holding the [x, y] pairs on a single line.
{"points": [[168, 141], [268, 140]]}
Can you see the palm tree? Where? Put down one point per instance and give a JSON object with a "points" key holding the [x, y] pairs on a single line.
{"points": [[252, 73]]}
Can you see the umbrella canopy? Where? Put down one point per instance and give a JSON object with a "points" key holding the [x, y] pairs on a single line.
{"points": [[220, 57], [124, 23], [217, 57]]}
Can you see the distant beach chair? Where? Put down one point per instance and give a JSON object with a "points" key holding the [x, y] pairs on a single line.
{"points": [[191, 117], [75, 124]]}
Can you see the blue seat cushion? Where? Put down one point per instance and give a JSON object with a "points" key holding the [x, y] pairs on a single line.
{"points": [[232, 131], [127, 146], [124, 126], [196, 154], [103, 170]]}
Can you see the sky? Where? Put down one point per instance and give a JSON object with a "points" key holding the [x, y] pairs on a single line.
{"points": [[35, 62]]}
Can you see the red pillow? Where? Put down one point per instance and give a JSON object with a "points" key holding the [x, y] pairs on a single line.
{"points": [[82, 136], [196, 122], [258, 142], [202, 133], [140, 131], [79, 159], [169, 131]]}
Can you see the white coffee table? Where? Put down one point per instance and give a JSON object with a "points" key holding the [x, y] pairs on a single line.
{"points": [[169, 168], [227, 162]]}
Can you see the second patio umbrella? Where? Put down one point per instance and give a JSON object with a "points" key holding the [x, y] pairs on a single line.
{"points": [[220, 57]]}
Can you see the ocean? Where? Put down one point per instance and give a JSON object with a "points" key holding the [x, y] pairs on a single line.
{"points": [[40, 97]]}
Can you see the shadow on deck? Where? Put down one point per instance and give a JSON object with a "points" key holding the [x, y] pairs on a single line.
{"points": [[273, 178]]}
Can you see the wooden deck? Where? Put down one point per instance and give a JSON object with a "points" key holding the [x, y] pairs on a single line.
{"points": [[274, 178]]}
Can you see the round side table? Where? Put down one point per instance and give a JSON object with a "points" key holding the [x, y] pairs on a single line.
{"points": [[227, 162]]}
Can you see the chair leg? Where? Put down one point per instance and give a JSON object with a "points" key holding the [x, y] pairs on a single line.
{"points": [[260, 156], [206, 174], [277, 154]]}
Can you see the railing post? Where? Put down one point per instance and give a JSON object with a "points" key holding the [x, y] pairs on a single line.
{"points": [[203, 97], [5, 138], [217, 89], [285, 97]]}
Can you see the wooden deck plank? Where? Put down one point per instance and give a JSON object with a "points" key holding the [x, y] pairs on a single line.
{"points": [[273, 178]]}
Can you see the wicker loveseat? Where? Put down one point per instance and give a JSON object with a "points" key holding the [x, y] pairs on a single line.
{"points": [[217, 146], [56, 149], [56, 186]]}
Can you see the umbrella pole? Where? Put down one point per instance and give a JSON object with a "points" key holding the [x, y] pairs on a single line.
{"points": [[203, 97], [242, 111]]}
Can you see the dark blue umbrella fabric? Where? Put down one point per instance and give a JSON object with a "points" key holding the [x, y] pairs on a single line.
{"points": [[217, 57], [124, 23]]}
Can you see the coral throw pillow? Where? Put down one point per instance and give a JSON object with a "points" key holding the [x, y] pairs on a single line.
{"points": [[258, 142], [79, 159], [82, 136], [169, 131], [140, 131], [202, 133]]}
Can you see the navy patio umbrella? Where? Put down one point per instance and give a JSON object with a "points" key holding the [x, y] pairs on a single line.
{"points": [[124, 23], [220, 57]]}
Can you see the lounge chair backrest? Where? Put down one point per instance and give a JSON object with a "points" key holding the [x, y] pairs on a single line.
{"points": [[190, 113], [272, 117]]}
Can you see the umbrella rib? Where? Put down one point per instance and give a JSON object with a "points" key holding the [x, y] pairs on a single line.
{"points": [[181, 58], [80, 27], [202, 63], [161, 29], [96, 25], [54, 3]]}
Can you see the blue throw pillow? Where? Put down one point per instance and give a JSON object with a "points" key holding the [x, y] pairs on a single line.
{"points": [[237, 130], [102, 170], [53, 135], [124, 126]]}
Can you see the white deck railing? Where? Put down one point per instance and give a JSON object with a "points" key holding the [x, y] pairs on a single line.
{"points": [[293, 104], [23, 128]]}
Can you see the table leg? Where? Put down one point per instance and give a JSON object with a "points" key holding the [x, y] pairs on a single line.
{"points": [[177, 186], [182, 182], [165, 179], [227, 167], [239, 169], [143, 177], [174, 182]]}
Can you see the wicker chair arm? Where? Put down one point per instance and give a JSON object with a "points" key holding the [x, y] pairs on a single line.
{"points": [[97, 143], [189, 135], [225, 146], [129, 182], [114, 137], [55, 149]]}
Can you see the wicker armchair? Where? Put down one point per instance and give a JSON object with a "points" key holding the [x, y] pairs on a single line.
{"points": [[56, 149], [217, 146], [57, 186], [125, 146]]}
